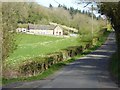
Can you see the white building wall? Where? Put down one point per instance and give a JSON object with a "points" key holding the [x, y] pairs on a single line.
{"points": [[42, 32], [58, 31], [21, 30]]}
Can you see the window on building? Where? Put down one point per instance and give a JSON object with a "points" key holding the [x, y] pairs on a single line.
{"points": [[59, 33]]}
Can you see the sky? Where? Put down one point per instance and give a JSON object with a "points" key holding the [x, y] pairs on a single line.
{"points": [[68, 3]]}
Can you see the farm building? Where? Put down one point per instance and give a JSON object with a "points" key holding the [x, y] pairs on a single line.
{"points": [[24, 30], [45, 29], [41, 29]]}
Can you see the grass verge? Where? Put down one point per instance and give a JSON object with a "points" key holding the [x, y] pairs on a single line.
{"points": [[31, 46], [47, 72], [57, 66], [114, 68]]}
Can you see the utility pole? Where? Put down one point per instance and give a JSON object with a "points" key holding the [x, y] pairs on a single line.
{"points": [[92, 24]]}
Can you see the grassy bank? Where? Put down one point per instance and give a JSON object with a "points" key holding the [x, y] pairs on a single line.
{"points": [[115, 68], [49, 71], [57, 66], [30, 46]]}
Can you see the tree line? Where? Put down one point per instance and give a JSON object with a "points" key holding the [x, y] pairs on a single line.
{"points": [[73, 11], [112, 11]]}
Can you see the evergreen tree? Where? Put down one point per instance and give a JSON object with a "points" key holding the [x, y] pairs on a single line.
{"points": [[50, 6], [83, 12], [79, 11], [59, 5], [71, 10], [64, 7]]}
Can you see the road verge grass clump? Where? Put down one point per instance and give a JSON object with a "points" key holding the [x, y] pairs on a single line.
{"points": [[31, 66], [39, 64], [55, 57], [115, 68]]}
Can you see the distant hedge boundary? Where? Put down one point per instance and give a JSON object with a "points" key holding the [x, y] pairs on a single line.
{"points": [[37, 65]]}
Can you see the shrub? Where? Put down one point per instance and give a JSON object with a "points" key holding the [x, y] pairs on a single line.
{"points": [[65, 54], [39, 64], [88, 45], [32, 66]]}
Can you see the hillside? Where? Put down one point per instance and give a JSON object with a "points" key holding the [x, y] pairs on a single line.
{"points": [[14, 13], [67, 18], [37, 14]]}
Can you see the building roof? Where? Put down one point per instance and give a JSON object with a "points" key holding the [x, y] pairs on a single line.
{"points": [[22, 25], [41, 27]]}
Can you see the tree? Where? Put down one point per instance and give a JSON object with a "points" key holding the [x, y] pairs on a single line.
{"points": [[8, 24], [64, 7], [83, 11], [50, 6], [12, 13], [71, 11], [59, 5], [112, 11], [79, 11]]}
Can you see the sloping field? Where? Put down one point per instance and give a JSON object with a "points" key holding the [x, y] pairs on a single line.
{"points": [[30, 46]]}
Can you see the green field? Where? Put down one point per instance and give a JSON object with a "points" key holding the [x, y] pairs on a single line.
{"points": [[30, 46]]}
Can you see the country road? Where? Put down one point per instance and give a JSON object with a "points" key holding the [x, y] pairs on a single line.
{"points": [[90, 71]]}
